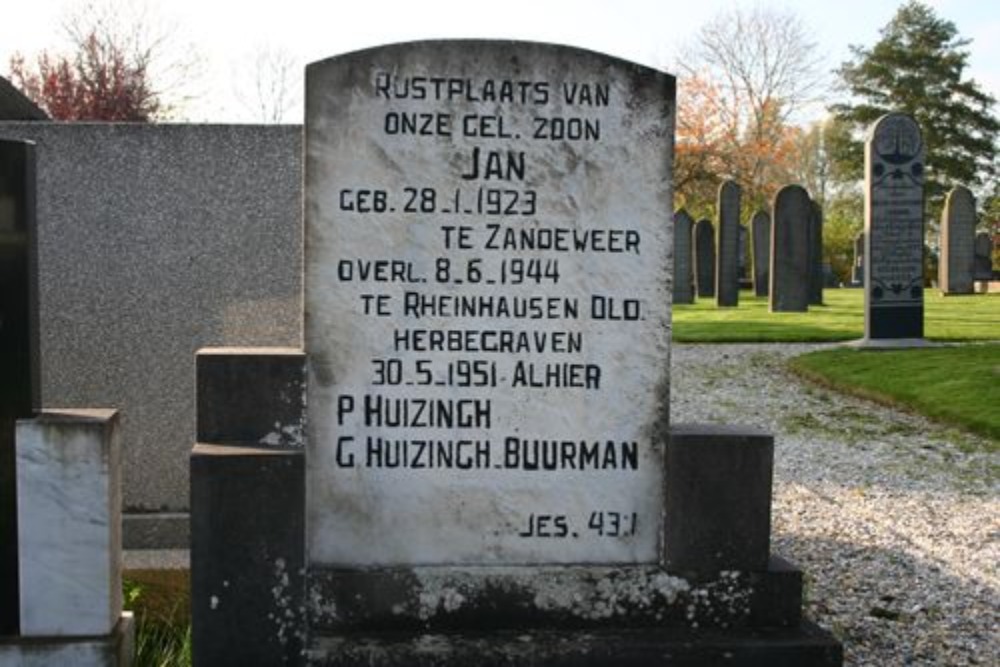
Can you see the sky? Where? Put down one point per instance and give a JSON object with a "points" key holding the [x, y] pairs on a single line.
{"points": [[221, 40]]}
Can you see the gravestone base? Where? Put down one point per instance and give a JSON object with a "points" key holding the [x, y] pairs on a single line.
{"points": [[114, 650], [586, 615], [448, 599], [890, 343], [647, 647], [986, 287]]}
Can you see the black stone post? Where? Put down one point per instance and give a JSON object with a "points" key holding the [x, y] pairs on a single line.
{"points": [[248, 509], [247, 555], [718, 499], [19, 380], [242, 393]]}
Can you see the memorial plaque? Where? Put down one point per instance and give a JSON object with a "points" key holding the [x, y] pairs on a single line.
{"points": [[19, 386], [727, 262], [760, 231], [683, 265], [958, 235], [894, 229], [487, 305], [704, 258]]}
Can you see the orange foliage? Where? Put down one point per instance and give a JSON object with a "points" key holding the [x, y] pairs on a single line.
{"points": [[98, 83], [719, 138]]}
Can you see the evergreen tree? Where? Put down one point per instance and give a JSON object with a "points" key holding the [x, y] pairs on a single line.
{"points": [[917, 67]]}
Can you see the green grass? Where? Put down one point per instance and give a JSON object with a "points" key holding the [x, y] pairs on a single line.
{"points": [[161, 603], [954, 318], [957, 385]]}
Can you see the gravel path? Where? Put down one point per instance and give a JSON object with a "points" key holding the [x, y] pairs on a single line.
{"points": [[895, 520]]}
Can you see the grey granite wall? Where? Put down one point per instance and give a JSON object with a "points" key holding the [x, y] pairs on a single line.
{"points": [[154, 241]]}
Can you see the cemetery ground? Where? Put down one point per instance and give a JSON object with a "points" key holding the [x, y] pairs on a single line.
{"points": [[893, 517]]}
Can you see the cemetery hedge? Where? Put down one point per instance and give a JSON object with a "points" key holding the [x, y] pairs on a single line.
{"points": [[841, 318], [954, 384]]}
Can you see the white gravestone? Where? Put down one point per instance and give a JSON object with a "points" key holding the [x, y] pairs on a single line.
{"points": [[487, 298]]}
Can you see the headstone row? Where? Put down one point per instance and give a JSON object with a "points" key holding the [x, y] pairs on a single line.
{"points": [[718, 261]]}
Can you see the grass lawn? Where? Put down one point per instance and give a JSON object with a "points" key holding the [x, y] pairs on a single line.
{"points": [[958, 385], [954, 318]]}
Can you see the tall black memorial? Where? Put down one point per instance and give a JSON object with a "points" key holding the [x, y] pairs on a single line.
{"points": [[19, 386]]}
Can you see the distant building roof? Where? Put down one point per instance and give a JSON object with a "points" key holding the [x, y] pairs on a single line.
{"points": [[15, 106]]}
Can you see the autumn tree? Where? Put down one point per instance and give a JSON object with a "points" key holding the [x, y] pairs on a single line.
{"points": [[918, 67], [123, 64], [747, 72], [703, 138], [97, 83]]}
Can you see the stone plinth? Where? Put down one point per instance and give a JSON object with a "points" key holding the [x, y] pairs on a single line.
{"points": [[718, 510], [807, 646], [114, 650], [69, 518]]}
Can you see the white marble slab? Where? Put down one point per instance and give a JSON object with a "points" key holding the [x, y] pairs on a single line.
{"points": [[487, 296], [69, 523]]}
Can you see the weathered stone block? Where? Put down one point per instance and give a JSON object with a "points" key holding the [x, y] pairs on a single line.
{"points": [[718, 507], [69, 523], [251, 396], [247, 555]]}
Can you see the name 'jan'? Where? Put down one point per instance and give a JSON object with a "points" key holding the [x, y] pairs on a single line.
{"points": [[495, 165]]}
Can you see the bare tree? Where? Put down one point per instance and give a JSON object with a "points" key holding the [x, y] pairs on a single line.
{"points": [[766, 69], [149, 42], [270, 85]]}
